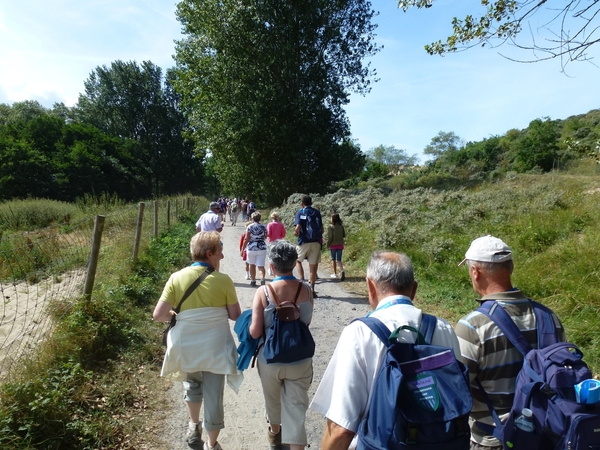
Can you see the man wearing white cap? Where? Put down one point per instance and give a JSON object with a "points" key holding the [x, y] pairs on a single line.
{"points": [[485, 350]]}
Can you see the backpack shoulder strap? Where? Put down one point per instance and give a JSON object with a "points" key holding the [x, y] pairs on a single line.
{"points": [[298, 292], [378, 328], [546, 327], [498, 315], [427, 327], [274, 295]]}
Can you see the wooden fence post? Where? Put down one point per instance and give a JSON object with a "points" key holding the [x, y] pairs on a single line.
{"points": [[138, 231], [176, 211], [168, 213], [93, 261], [155, 218]]}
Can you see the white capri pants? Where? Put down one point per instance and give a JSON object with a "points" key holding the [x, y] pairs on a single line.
{"points": [[256, 257]]}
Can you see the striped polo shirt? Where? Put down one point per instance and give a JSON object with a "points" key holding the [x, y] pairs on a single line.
{"points": [[492, 358]]}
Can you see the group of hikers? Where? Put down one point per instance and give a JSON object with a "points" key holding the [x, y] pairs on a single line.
{"points": [[231, 207], [460, 395]]}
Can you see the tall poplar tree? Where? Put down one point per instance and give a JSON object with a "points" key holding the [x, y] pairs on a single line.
{"points": [[136, 102], [264, 84]]}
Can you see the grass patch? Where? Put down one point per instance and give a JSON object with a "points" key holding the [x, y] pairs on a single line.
{"points": [[88, 385]]}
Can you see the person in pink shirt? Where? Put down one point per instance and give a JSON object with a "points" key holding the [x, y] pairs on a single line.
{"points": [[275, 230]]}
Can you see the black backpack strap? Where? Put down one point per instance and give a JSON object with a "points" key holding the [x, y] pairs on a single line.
{"points": [[427, 327], [378, 328], [498, 315], [193, 287]]}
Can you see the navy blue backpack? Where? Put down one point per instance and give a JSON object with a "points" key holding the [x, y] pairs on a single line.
{"points": [[288, 339], [421, 398], [313, 225], [545, 385]]}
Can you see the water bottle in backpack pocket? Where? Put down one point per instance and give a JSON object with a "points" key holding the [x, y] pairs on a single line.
{"points": [[523, 434], [546, 386]]}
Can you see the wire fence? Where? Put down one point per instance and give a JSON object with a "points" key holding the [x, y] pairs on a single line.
{"points": [[43, 269]]}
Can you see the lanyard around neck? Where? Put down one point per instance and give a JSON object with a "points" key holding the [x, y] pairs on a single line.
{"points": [[396, 300], [284, 277], [200, 263]]}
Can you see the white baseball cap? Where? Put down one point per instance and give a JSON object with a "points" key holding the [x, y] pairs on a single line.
{"points": [[488, 249]]}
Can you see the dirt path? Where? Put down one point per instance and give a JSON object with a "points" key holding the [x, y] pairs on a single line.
{"points": [[245, 424]]}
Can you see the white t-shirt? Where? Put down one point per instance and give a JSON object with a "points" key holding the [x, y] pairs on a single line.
{"points": [[345, 389], [209, 221]]}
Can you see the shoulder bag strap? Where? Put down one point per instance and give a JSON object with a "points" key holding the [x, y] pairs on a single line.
{"points": [[193, 286]]}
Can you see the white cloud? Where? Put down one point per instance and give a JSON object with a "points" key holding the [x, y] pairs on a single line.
{"points": [[50, 48]]}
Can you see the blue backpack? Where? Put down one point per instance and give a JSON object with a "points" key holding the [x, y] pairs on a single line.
{"points": [[421, 398], [546, 386], [313, 226], [288, 339]]}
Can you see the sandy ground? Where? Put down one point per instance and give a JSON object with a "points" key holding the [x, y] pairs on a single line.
{"points": [[245, 424], [24, 321]]}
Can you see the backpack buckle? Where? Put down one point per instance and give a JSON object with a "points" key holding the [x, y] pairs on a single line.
{"points": [[548, 391]]}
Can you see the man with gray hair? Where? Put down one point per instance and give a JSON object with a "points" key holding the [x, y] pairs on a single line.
{"points": [[345, 390], [485, 350], [210, 220]]}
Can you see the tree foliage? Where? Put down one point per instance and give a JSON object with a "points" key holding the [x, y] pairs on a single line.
{"points": [[443, 144], [134, 101], [543, 146], [42, 156], [568, 28], [264, 84], [539, 147], [391, 157]]}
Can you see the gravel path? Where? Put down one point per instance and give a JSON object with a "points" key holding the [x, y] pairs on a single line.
{"points": [[245, 424]]}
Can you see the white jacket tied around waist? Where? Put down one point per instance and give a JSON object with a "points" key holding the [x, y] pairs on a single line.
{"points": [[202, 341]]}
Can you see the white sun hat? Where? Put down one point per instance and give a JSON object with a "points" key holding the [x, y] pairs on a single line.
{"points": [[488, 249]]}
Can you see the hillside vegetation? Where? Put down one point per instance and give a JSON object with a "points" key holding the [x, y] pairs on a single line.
{"points": [[551, 221]]}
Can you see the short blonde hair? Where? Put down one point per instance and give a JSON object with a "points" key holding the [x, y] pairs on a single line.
{"points": [[256, 216], [275, 216], [204, 242]]}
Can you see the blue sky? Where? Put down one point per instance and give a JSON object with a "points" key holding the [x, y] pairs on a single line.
{"points": [[48, 49]]}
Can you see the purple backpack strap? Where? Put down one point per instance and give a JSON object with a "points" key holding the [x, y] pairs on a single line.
{"points": [[546, 327], [502, 319]]}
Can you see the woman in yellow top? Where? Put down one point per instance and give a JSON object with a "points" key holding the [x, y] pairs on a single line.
{"points": [[200, 348]]}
